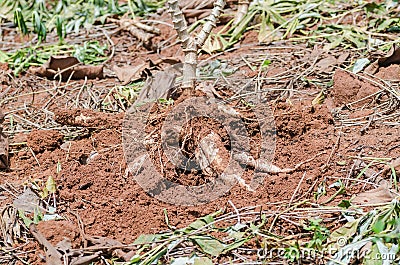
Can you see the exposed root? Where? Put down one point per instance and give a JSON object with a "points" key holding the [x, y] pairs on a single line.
{"points": [[141, 31], [266, 167]]}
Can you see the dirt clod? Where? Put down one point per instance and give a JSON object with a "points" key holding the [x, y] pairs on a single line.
{"points": [[348, 88], [41, 140], [88, 118]]}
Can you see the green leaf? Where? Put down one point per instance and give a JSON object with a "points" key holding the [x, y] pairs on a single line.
{"points": [[292, 253], [192, 260], [209, 245], [135, 259], [37, 216], [239, 29], [146, 239], [337, 41], [51, 185], [346, 231], [346, 254], [20, 21], [386, 24], [370, 257], [60, 27], [202, 261], [344, 204], [319, 99], [265, 29], [265, 64], [235, 245], [181, 261], [201, 222], [378, 226], [3, 57], [38, 26], [360, 64], [25, 219]]}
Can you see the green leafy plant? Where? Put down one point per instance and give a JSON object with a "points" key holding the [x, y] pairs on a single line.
{"points": [[320, 234], [66, 16], [376, 234], [292, 253], [197, 233], [310, 20], [89, 53]]}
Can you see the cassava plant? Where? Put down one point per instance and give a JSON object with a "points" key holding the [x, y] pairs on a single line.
{"points": [[192, 44]]}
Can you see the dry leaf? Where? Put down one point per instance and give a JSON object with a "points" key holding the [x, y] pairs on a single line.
{"points": [[393, 57], [394, 164], [343, 57], [372, 68], [130, 73], [28, 201], [64, 245], [326, 64], [381, 194], [67, 67], [156, 87], [196, 4]]}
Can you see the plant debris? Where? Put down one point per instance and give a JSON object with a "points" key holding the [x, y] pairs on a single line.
{"points": [[67, 68]]}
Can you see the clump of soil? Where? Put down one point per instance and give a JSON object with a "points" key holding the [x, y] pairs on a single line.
{"points": [[348, 88], [88, 118], [391, 72], [41, 140], [57, 231], [300, 119]]}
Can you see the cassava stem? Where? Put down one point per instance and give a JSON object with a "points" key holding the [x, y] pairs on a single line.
{"points": [[211, 22], [190, 45], [243, 7]]}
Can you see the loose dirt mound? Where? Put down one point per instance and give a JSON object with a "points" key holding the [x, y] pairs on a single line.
{"points": [[93, 183]]}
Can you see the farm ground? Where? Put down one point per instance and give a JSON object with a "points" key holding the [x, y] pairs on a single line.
{"points": [[72, 130]]}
